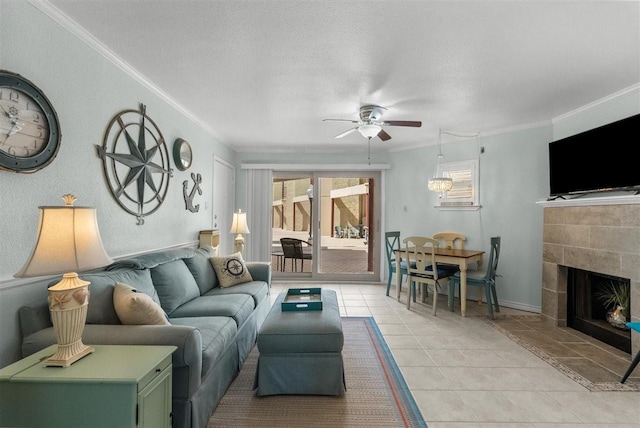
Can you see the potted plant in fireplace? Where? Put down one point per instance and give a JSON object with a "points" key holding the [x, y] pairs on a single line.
{"points": [[615, 296]]}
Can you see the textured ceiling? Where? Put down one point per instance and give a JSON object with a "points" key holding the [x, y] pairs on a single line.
{"points": [[263, 74]]}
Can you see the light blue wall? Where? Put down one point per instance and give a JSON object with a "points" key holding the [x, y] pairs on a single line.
{"points": [[513, 177], [87, 90]]}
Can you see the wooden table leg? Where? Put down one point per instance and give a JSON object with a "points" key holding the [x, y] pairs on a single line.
{"points": [[398, 277], [463, 289]]}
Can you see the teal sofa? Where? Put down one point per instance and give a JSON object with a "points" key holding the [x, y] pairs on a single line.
{"points": [[213, 328]]}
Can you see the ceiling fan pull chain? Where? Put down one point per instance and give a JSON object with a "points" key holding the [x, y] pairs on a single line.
{"points": [[369, 150]]}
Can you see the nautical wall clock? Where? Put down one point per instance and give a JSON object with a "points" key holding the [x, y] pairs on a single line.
{"points": [[29, 126], [135, 161], [182, 154]]}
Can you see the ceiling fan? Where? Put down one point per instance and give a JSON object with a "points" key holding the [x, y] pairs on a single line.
{"points": [[370, 124]]}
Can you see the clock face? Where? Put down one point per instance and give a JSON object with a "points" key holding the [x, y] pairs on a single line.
{"points": [[29, 127], [24, 130]]}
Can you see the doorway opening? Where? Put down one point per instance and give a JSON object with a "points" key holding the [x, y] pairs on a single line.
{"points": [[330, 216]]}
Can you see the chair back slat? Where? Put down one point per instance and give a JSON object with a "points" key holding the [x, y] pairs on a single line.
{"points": [[292, 247], [450, 240], [494, 257], [421, 257], [392, 240]]}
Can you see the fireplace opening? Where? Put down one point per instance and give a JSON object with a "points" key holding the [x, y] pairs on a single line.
{"points": [[589, 301]]}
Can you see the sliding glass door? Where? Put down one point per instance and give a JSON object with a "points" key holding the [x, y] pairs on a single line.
{"points": [[324, 225]]}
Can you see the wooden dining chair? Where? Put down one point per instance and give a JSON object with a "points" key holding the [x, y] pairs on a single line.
{"points": [[485, 278], [422, 268], [392, 243], [450, 240]]}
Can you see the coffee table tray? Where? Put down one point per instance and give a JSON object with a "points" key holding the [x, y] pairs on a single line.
{"points": [[303, 299]]}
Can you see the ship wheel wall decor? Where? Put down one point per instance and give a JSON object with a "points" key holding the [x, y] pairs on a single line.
{"points": [[135, 160]]}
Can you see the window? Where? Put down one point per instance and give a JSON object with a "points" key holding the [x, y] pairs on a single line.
{"points": [[464, 193]]}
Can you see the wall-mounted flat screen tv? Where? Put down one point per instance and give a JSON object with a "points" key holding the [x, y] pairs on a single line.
{"points": [[601, 159]]}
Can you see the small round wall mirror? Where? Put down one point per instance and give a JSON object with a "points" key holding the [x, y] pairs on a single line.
{"points": [[182, 154]]}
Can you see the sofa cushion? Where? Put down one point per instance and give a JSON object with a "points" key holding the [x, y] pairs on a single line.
{"points": [[202, 270], [259, 290], [101, 310], [153, 259], [231, 270], [237, 306], [175, 284], [218, 333], [136, 308]]}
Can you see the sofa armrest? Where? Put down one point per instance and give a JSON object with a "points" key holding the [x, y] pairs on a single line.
{"points": [[34, 318], [187, 358], [260, 271]]}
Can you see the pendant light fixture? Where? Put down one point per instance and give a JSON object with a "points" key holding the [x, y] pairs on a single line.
{"points": [[442, 183]]}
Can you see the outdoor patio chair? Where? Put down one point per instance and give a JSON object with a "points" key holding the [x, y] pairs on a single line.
{"points": [[294, 250]]}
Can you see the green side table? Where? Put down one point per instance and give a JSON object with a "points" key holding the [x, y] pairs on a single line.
{"points": [[116, 386]]}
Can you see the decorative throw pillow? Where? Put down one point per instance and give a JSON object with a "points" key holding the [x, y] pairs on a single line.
{"points": [[231, 270], [135, 308]]}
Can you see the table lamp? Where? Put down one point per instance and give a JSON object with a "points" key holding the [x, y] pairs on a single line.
{"points": [[68, 241], [239, 226]]}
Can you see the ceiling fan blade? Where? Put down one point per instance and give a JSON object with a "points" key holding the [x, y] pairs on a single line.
{"points": [[346, 132], [342, 120], [383, 135], [412, 123]]}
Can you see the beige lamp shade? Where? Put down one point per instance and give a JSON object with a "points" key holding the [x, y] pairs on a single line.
{"points": [[68, 241], [239, 224]]}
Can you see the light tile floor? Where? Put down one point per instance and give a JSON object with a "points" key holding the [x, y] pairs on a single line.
{"points": [[465, 374]]}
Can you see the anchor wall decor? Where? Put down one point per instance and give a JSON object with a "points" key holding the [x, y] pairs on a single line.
{"points": [[188, 196]]}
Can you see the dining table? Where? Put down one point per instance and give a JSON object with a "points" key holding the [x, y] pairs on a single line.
{"points": [[452, 256]]}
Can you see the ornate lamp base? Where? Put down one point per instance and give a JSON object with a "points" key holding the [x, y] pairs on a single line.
{"points": [[68, 304], [239, 243]]}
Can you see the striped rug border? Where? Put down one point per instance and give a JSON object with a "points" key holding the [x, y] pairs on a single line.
{"points": [[408, 410]]}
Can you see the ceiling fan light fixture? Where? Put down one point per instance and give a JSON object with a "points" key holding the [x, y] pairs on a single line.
{"points": [[369, 131]]}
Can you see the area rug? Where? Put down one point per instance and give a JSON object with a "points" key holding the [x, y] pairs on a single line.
{"points": [[377, 395], [595, 366]]}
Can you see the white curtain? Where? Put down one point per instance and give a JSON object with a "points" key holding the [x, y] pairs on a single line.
{"points": [[259, 203]]}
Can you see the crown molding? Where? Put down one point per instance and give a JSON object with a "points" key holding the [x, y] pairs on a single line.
{"points": [[593, 104], [82, 34]]}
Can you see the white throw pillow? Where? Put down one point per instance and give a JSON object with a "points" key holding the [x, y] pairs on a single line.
{"points": [[135, 308], [231, 270]]}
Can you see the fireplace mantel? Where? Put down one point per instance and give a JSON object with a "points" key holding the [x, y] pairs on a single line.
{"points": [[601, 237], [585, 201]]}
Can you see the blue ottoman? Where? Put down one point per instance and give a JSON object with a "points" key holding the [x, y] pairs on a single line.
{"points": [[301, 351]]}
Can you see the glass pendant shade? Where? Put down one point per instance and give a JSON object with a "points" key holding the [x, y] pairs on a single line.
{"points": [[369, 131], [443, 183], [440, 184]]}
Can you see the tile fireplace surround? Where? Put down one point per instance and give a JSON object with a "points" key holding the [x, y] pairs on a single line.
{"points": [[596, 238]]}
